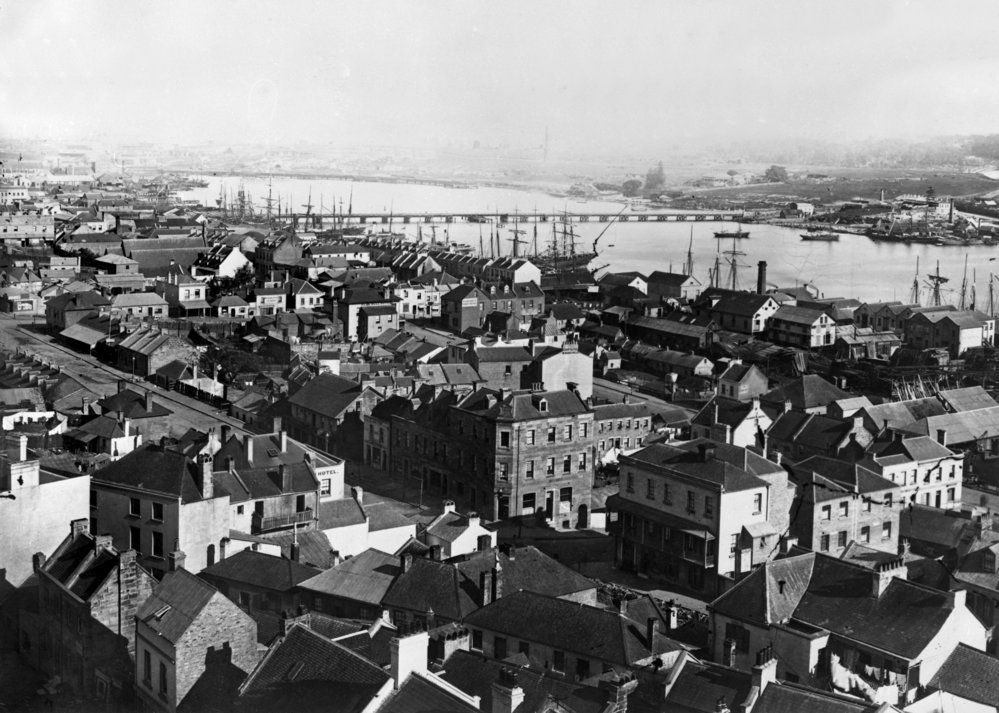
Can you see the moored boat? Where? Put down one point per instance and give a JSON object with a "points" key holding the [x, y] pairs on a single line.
{"points": [[826, 237]]}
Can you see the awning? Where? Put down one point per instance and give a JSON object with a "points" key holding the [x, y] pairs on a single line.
{"points": [[83, 334], [757, 530], [703, 534], [196, 304]]}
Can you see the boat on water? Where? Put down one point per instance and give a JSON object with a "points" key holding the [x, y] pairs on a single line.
{"points": [[825, 237], [740, 233]]}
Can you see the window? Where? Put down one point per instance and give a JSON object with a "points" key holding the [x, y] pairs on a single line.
{"points": [[950, 494], [550, 466], [886, 531], [163, 679], [157, 544], [581, 463], [867, 504], [528, 503], [325, 487], [529, 471], [567, 432], [631, 483], [841, 538], [667, 494], [135, 538], [504, 439], [530, 437], [239, 509], [134, 507], [709, 506], [734, 545], [499, 647], [476, 640], [558, 661], [691, 504], [567, 464], [158, 511], [551, 434], [525, 648], [865, 534], [824, 543], [504, 471], [584, 431], [889, 500], [989, 561], [758, 503], [93, 498], [650, 489], [582, 669], [299, 503], [147, 667]]}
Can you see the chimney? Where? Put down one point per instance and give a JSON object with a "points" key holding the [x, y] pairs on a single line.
{"points": [[765, 670], [942, 436], [121, 385], [486, 587], [618, 686], [284, 476], [205, 483], [408, 655], [175, 560], [224, 433], [103, 542], [497, 583], [230, 464], [651, 631], [885, 572], [706, 451], [507, 693], [277, 425], [483, 543], [405, 562], [761, 277], [79, 527], [672, 616], [722, 706], [358, 492], [248, 448], [435, 553], [958, 598], [37, 561], [291, 617], [728, 653], [787, 406], [473, 519], [17, 449], [149, 401], [448, 506]]}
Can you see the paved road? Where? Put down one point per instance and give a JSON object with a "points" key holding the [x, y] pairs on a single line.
{"points": [[17, 335]]}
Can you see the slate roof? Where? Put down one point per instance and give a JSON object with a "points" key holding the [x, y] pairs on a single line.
{"points": [[501, 353], [836, 596], [474, 674], [700, 686], [970, 674], [898, 414], [152, 467], [78, 568], [963, 427], [969, 398], [340, 513], [327, 394], [178, 600], [521, 406], [790, 698], [823, 433], [303, 668], [132, 404], [429, 584], [526, 568], [569, 626], [730, 412], [448, 526], [806, 392], [365, 577], [731, 467], [260, 570], [419, 694]]}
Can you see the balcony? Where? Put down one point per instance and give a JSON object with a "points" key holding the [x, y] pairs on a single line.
{"points": [[260, 523]]}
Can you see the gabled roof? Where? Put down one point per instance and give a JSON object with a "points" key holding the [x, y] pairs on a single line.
{"points": [[131, 404], [970, 674], [80, 566], [569, 626], [727, 466], [174, 605], [969, 398], [961, 427], [781, 697], [304, 667], [700, 686], [522, 406], [154, 468]]}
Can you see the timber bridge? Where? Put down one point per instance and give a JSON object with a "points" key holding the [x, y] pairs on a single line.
{"points": [[330, 220]]}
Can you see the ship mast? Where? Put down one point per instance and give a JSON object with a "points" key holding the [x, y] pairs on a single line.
{"points": [[964, 285], [733, 262], [914, 294], [935, 281], [688, 268]]}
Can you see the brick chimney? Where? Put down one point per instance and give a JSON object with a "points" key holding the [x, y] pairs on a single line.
{"points": [[486, 587], [79, 527], [405, 562], [435, 553], [507, 693], [618, 686], [248, 448], [285, 478], [358, 492], [149, 401], [448, 506], [651, 631], [176, 560]]}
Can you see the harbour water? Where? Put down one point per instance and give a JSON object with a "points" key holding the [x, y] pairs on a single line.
{"points": [[855, 266]]}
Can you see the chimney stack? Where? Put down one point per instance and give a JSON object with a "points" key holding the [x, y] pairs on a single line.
{"points": [[408, 655], [248, 448], [942, 436], [765, 670], [205, 484], [486, 587], [651, 630], [405, 562], [761, 277], [224, 433], [507, 693], [885, 572], [149, 401], [175, 560], [285, 478], [79, 527]]}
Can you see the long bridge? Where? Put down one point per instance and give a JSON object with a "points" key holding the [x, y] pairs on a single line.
{"points": [[334, 219]]}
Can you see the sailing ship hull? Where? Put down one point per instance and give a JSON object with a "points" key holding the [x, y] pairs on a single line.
{"points": [[821, 237], [732, 234]]}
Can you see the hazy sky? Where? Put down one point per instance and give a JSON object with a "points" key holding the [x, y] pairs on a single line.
{"points": [[629, 74]]}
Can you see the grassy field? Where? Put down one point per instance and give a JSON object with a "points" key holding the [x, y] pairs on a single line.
{"points": [[864, 184]]}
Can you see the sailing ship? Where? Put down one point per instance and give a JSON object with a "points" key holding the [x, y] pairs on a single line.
{"points": [[561, 255]]}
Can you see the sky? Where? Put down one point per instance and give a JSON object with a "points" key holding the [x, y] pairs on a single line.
{"points": [[630, 75]]}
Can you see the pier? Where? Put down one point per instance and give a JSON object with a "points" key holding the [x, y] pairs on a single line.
{"points": [[330, 219]]}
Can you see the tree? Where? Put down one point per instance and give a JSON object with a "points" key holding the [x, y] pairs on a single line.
{"points": [[631, 187], [655, 179], [775, 174]]}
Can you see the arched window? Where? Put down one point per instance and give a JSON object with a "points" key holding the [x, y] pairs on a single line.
{"points": [[210, 556]]}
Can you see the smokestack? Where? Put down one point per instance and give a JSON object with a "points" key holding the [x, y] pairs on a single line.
{"points": [[761, 277]]}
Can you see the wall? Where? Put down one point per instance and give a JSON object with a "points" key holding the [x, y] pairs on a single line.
{"points": [[203, 523], [349, 540], [113, 516], [40, 516], [391, 539]]}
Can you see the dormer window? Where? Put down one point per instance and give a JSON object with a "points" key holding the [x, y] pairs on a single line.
{"points": [[543, 405], [990, 561]]}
